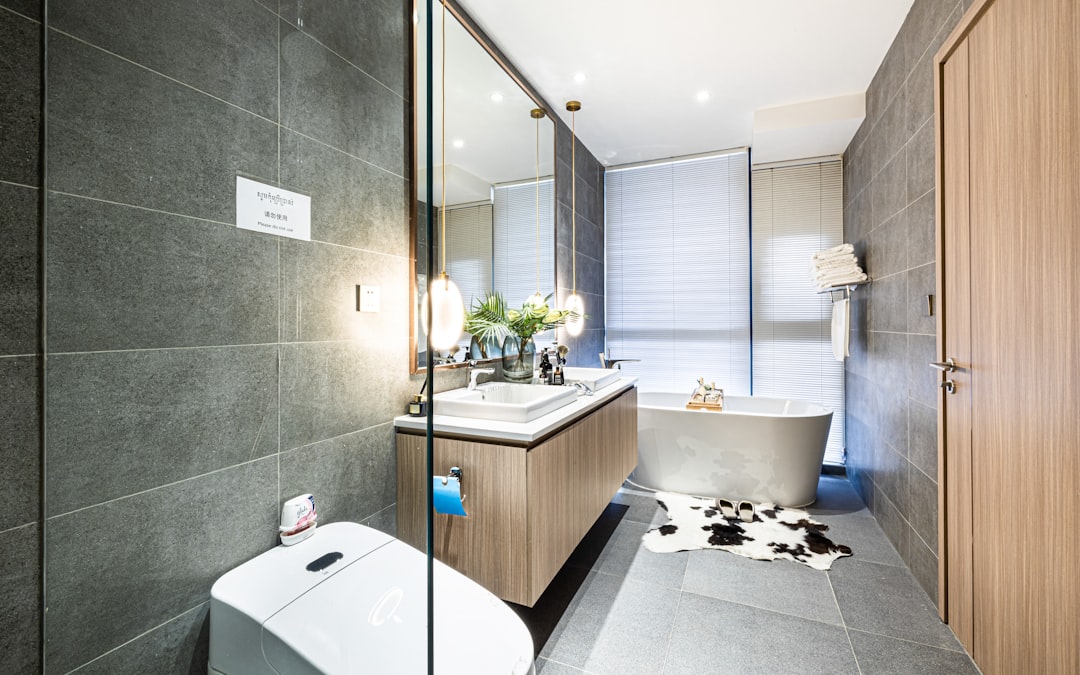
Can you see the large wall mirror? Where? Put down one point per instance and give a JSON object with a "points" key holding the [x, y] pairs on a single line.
{"points": [[496, 180]]}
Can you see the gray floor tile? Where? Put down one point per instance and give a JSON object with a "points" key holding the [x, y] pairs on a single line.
{"points": [[865, 537], [614, 625], [713, 636], [887, 600], [625, 556], [778, 585], [643, 506], [547, 667], [886, 656], [836, 496]]}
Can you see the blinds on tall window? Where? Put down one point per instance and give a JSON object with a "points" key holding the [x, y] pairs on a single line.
{"points": [[678, 272], [797, 211], [515, 244], [468, 249]]}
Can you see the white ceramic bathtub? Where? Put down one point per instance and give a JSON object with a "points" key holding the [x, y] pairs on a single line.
{"points": [[760, 449]]}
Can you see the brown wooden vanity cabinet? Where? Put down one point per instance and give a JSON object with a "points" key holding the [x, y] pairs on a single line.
{"points": [[529, 504]]}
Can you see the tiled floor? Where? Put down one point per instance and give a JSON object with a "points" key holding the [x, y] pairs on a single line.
{"points": [[714, 612]]}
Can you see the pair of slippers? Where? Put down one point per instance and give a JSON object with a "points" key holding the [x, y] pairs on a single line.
{"points": [[730, 509]]}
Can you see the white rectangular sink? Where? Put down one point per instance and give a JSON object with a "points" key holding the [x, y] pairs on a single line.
{"points": [[594, 378], [504, 402]]}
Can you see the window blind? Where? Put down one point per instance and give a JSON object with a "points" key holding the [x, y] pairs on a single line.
{"points": [[797, 211], [468, 250], [515, 246], [677, 241]]}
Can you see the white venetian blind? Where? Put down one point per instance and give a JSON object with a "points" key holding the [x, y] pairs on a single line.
{"points": [[678, 272], [468, 250], [515, 243], [797, 211]]}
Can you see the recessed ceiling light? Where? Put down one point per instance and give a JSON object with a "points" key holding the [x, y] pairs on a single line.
{"points": [[703, 95], [497, 97], [579, 77], [458, 143]]}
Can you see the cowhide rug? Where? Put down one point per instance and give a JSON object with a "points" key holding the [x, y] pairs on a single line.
{"points": [[776, 532]]}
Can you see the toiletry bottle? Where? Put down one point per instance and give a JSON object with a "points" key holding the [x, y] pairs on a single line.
{"points": [[545, 368], [558, 377]]}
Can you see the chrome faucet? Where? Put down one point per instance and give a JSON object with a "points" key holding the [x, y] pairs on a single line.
{"points": [[584, 388], [607, 362], [476, 372]]}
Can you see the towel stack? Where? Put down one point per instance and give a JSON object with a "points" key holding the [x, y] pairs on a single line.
{"points": [[837, 266]]}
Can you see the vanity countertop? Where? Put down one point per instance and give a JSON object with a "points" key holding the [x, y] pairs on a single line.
{"points": [[516, 432]]}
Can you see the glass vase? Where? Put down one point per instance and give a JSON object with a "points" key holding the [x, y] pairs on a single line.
{"points": [[518, 359]]}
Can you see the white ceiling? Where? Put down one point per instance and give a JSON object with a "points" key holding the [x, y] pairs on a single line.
{"points": [[784, 76]]}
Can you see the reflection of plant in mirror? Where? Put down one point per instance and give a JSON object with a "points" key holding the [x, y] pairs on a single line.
{"points": [[490, 319], [492, 322]]}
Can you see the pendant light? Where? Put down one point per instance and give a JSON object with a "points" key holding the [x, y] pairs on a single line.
{"points": [[537, 298], [575, 323], [447, 307]]}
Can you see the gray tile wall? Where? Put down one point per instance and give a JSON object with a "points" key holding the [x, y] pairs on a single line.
{"points": [[198, 375], [889, 216], [20, 359], [585, 348]]}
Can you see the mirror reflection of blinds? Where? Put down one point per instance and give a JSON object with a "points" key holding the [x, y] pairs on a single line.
{"points": [[514, 242], [468, 249], [797, 211], [677, 239]]}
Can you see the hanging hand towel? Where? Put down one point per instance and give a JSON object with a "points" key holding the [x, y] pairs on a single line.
{"points": [[840, 329]]}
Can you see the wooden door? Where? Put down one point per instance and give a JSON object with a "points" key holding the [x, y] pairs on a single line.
{"points": [[1023, 361]]}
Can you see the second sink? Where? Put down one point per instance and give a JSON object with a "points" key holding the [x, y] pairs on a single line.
{"points": [[504, 402]]}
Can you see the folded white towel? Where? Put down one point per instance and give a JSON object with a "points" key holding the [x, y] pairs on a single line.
{"points": [[832, 282], [845, 271], [840, 319], [838, 261], [835, 250]]}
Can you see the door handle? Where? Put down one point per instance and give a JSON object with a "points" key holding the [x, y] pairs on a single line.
{"points": [[948, 366], [949, 386]]}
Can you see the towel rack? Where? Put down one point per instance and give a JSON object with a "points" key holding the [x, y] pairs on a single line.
{"points": [[845, 288]]}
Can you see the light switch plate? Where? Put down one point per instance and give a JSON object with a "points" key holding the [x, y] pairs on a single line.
{"points": [[367, 298]]}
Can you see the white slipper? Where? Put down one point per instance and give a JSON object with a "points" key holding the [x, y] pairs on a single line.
{"points": [[746, 511], [727, 508]]}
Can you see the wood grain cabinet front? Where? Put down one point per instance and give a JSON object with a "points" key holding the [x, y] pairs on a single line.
{"points": [[529, 505]]}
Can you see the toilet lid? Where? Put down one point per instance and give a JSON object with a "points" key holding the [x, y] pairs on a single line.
{"points": [[371, 617]]}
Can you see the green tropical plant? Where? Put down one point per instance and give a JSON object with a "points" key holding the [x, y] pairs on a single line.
{"points": [[491, 321]]}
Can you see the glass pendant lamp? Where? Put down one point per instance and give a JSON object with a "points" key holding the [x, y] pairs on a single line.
{"points": [[575, 323]]}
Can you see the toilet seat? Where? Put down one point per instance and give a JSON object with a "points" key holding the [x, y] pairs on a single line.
{"points": [[362, 609]]}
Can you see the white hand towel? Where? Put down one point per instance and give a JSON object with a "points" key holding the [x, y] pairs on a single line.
{"points": [[840, 329]]}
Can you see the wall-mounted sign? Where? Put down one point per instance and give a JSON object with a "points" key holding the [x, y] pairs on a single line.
{"points": [[265, 208]]}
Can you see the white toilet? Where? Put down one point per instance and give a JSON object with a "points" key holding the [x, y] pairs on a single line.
{"points": [[351, 599]]}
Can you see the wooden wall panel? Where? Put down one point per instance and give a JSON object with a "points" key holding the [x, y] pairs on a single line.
{"points": [[955, 408], [1024, 149]]}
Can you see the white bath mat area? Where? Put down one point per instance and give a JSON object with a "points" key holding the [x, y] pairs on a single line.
{"points": [[776, 532]]}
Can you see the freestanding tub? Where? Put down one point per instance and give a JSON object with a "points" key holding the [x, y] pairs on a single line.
{"points": [[760, 449]]}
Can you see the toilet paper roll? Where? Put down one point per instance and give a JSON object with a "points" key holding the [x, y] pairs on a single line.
{"points": [[447, 496]]}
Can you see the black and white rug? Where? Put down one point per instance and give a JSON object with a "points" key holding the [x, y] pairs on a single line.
{"points": [[776, 532]]}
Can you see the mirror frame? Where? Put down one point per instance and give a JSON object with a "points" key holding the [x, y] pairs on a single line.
{"points": [[500, 60]]}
